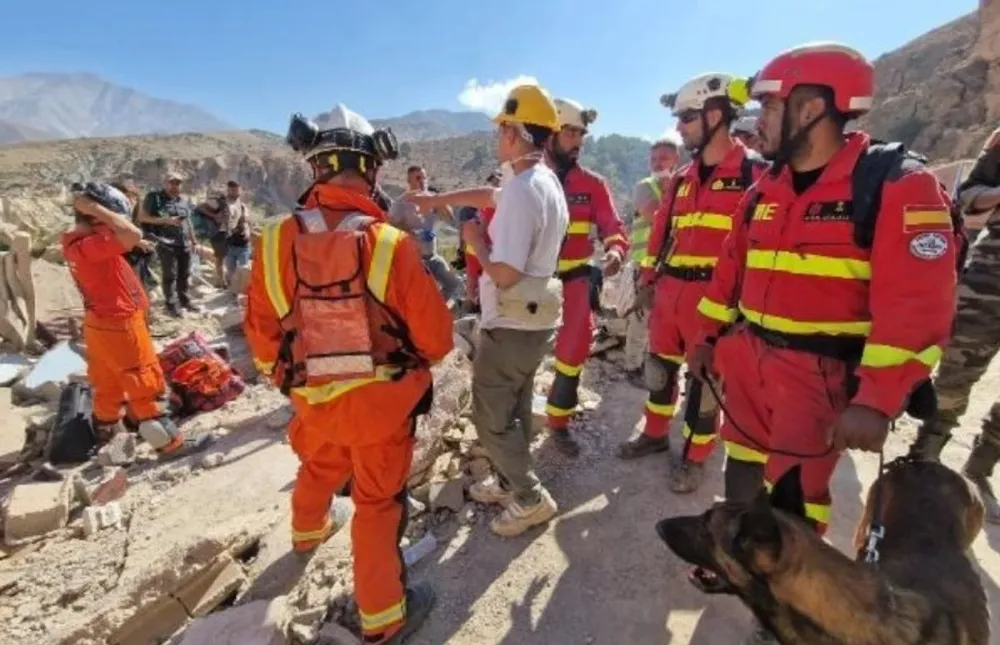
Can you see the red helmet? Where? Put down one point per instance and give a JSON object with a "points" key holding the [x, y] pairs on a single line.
{"points": [[841, 68]]}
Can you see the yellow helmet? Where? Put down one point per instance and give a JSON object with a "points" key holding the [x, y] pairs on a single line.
{"points": [[529, 104]]}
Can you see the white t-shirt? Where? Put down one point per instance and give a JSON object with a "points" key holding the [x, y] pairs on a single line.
{"points": [[526, 232]]}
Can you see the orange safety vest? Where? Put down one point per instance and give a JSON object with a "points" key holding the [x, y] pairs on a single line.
{"points": [[335, 328]]}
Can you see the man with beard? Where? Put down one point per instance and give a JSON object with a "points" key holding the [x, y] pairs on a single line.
{"points": [[590, 208], [745, 130]]}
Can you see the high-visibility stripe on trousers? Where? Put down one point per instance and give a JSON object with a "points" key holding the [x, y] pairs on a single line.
{"points": [[781, 401], [378, 474], [572, 349]]}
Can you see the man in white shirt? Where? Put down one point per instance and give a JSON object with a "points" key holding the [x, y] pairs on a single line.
{"points": [[519, 319]]}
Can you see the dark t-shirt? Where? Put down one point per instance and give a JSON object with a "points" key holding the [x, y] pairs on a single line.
{"points": [[159, 204]]}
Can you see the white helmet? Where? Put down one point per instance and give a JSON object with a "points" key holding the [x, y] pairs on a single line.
{"points": [[341, 130], [746, 124], [572, 114], [694, 93]]}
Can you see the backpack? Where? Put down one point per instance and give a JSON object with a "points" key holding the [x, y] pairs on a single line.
{"points": [[200, 380], [72, 438]]}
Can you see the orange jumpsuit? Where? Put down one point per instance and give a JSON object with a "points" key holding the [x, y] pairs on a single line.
{"points": [[362, 429], [122, 366]]}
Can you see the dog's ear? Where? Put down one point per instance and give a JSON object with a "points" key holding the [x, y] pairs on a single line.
{"points": [[787, 494]]}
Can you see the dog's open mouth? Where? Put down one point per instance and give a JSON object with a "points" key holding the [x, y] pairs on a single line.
{"points": [[709, 582]]}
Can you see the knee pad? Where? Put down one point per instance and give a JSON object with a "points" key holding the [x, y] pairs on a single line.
{"points": [[658, 372], [742, 480], [158, 432]]}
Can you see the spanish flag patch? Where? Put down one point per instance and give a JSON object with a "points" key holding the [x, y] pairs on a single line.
{"points": [[917, 219]]}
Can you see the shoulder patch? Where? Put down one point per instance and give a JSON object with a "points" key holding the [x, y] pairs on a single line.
{"points": [[577, 198], [728, 184], [919, 218], [929, 246]]}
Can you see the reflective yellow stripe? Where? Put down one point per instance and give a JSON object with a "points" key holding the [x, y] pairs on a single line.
{"points": [[716, 221], [578, 228], [876, 355], [568, 265], [647, 262], [697, 439], [697, 261], [615, 238], [470, 251], [818, 512], [264, 367], [659, 409], [917, 218], [554, 411], [715, 311], [371, 623], [673, 358], [654, 184], [571, 371], [322, 393], [742, 453], [270, 245], [809, 264], [789, 326], [318, 534], [385, 248]]}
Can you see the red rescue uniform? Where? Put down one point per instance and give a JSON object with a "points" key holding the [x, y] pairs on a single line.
{"points": [[590, 207], [798, 279], [693, 222]]}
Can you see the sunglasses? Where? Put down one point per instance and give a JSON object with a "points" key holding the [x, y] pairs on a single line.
{"points": [[689, 116]]}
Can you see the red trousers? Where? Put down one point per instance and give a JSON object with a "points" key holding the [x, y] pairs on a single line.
{"points": [[572, 350], [378, 489], [780, 401], [673, 325]]}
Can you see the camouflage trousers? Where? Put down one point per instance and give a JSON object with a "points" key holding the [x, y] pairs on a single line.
{"points": [[975, 338], [636, 340]]}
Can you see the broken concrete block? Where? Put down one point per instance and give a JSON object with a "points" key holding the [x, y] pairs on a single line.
{"points": [[119, 451], [153, 623], [35, 509], [212, 460], [414, 506], [230, 318], [98, 518], [280, 418], [449, 494], [239, 281], [334, 634], [51, 372], [205, 590], [96, 485], [12, 367], [539, 419], [54, 254], [257, 623]]}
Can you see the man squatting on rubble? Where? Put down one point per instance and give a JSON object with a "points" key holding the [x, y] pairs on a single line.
{"points": [[346, 322], [521, 303], [976, 335], [694, 219], [122, 366], [647, 195]]}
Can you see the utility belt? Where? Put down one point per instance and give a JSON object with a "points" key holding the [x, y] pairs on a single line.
{"points": [[688, 274], [594, 276], [582, 271]]}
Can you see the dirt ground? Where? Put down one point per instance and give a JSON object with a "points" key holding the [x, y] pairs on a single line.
{"points": [[598, 574]]}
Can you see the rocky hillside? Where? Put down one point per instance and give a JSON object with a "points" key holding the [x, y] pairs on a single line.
{"points": [[55, 106], [940, 93], [426, 125]]}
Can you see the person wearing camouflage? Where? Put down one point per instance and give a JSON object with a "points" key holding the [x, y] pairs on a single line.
{"points": [[976, 336]]}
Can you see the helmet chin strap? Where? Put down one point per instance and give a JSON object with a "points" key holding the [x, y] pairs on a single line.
{"points": [[707, 134], [789, 143]]}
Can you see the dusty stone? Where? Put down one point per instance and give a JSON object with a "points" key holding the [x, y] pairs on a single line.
{"points": [[302, 634], [449, 494], [239, 281], [54, 254], [98, 518], [334, 634], [280, 418], [212, 460], [538, 417], [96, 484], [454, 434], [452, 393], [260, 622], [153, 623], [414, 506], [120, 451], [35, 509], [230, 318], [467, 515], [50, 373], [207, 589], [480, 468], [12, 367]]}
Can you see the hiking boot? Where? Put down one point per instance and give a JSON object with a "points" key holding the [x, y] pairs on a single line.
{"points": [[516, 519], [760, 636], [186, 447], [643, 445], [420, 600], [173, 311], [686, 477], [636, 378], [340, 514], [979, 469], [564, 443], [190, 306], [929, 443], [490, 491]]}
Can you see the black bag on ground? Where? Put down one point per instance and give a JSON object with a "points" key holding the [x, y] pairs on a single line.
{"points": [[72, 439]]}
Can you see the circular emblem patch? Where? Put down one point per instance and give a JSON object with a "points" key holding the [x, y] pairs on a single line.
{"points": [[929, 246]]}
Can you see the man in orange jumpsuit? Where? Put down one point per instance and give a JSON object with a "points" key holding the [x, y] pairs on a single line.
{"points": [[839, 321], [344, 318], [590, 207], [688, 231], [122, 366]]}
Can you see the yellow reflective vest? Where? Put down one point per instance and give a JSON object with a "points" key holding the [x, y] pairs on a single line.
{"points": [[641, 227]]}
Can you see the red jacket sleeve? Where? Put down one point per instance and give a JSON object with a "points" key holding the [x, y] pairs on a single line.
{"points": [[609, 225], [718, 307], [912, 294], [660, 231], [97, 246]]}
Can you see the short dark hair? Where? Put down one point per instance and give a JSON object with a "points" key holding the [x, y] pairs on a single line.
{"points": [[540, 135], [810, 92], [232, 183], [723, 105], [414, 168]]}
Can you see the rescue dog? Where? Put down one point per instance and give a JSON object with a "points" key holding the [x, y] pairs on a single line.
{"points": [[923, 589]]}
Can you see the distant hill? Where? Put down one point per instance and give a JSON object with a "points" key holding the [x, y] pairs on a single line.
{"points": [[430, 125], [59, 106]]}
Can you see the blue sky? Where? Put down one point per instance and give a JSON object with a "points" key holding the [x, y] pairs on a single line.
{"points": [[253, 63]]}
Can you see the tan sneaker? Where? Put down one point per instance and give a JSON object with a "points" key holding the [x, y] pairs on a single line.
{"points": [[517, 519], [489, 491]]}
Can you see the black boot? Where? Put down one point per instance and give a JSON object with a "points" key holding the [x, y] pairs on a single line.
{"points": [[642, 445], [979, 469], [931, 440]]}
